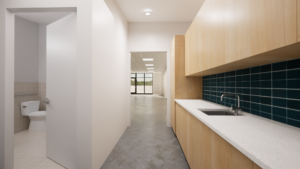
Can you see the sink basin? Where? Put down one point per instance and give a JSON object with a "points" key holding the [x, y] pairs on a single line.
{"points": [[218, 113]]}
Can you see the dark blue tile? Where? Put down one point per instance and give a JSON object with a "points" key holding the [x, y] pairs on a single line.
{"points": [[239, 84], [255, 106], [266, 109], [265, 76], [293, 123], [293, 74], [265, 68], [279, 93], [266, 115], [239, 72], [232, 90], [246, 105], [279, 111], [255, 99], [256, 112], [293, 64], [279, 84], [239, 90], [279, 119], [255, 84], [265, 100], [255, 91], [265, 84], [246, 78], [255, 77], [227, 74], [246, 71], [232, 79], [246, 84], [265, 92], [293, 104], [246, 98], [232, 84], [293, 94], [279, 102], [293, 114], [239, 78], [279, 66], [279, 75], [220, 75], [246, 91], [232, 73], [255, 69], [213, 76], [246, 110]]}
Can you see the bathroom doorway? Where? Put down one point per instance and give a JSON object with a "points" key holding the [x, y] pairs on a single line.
{"points": [[45, 89]]}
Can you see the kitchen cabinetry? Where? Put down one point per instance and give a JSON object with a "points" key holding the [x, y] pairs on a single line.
{"points": [[226, 32], [298, 16], [182, 87], [203, 148]]}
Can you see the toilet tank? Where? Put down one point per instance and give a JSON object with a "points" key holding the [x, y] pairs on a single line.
{"points": [[28, 107]]}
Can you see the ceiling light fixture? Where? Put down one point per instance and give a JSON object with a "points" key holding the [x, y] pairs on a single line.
{"points": [[150, 68], [148, 59], [147, 13], [149, 65]]}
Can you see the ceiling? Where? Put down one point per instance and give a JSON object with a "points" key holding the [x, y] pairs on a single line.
{"points": [[43, 17], [161, 10], [159, 61]]}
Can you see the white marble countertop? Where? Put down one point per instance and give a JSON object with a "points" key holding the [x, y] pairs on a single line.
{"points": [[270, 144]]}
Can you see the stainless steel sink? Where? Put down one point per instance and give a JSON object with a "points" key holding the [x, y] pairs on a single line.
{"points": [[219, 113]]}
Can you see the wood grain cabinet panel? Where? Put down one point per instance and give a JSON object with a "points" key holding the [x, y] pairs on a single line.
{"points": [[182, 87], [298, 16], [203, 148], [227, 31]]}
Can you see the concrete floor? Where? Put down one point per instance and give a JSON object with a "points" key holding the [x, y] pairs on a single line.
{"points": [[147, 143]]}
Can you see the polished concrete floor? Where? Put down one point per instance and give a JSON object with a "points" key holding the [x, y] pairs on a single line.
{"points": [[147, 143]]}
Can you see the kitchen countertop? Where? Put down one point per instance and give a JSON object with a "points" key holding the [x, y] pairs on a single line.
{"points": [[270, 144]]}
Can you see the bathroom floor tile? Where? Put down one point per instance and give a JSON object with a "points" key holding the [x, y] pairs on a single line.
{"points": [[30, 151]]}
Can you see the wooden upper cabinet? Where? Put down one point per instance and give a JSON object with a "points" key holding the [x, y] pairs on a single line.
{"points": [[225, 31], [298, 16]]}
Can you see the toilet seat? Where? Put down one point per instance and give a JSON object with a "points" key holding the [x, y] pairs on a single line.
{"points": [[38, 113]]}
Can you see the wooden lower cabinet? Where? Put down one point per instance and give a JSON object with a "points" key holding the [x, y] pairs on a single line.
{"points": [[205, 149]]}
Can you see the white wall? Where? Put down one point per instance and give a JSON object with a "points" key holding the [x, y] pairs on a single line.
{"points": [[110, 52], [157, 83], [155, 37], [26, 50], [42, 52], [165, 82]]}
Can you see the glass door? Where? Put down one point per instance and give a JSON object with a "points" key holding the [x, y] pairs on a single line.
{"points": [[140, 83], [148, 83], [133, 85]]}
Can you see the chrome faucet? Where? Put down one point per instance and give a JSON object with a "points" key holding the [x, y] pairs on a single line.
{"points": [[236, 109]]}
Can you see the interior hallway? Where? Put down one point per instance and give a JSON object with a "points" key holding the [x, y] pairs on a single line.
{"points": [[147, 143]]}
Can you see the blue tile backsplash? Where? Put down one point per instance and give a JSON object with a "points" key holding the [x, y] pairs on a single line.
{"points": [[271, 91]]}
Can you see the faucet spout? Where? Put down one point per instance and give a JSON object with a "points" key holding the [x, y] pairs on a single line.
{"points": [[235, 108]]}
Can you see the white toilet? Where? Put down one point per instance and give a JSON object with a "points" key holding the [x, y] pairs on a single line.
{"points": [[37, 118]]}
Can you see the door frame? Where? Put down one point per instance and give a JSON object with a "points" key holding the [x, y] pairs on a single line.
{"points": [[7, 104]]}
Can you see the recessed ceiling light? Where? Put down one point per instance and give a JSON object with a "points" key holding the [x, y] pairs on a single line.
{"points": [[150, 68], [147, 13], [148, 59], [149, 64]]}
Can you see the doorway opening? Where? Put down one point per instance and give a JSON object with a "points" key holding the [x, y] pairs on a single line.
{"points": [[45, 56]]}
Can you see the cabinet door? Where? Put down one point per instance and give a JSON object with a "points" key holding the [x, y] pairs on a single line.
{"points": [[182, 128], [298, 16], [264, 25], [199, 144], [255, 166], [225, 156]]}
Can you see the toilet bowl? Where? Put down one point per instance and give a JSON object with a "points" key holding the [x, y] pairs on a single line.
{"points": [[37, 118]]}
